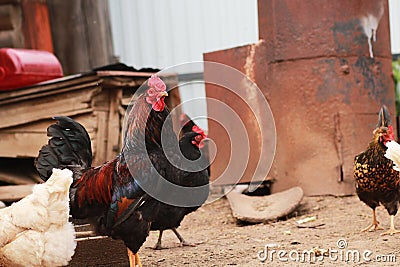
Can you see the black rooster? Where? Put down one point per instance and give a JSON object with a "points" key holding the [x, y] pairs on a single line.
{"points": [[110, 195]]}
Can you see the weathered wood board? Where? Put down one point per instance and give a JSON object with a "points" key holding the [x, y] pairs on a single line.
{"points": [[10, 193]]}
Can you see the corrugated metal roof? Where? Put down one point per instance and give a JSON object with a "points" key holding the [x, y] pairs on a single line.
{"points": [[150, 33], [394, 14]]}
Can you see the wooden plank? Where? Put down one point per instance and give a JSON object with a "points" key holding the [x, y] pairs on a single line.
{"points": [[15, 178], [21, 144], [67, 81], [97, 32], [100, 153], [11, 193], [39, 92], [85, 234], [126, 101], [114, 124], [50, 93], [73, 55], [86, 119], [118, 82], [122, 113], [35, 177], [37, 109], [6, 23], [101, 101], [14, 145], [113, 73], [28, 112], [25, 144], [89, 30], [7, 38]]}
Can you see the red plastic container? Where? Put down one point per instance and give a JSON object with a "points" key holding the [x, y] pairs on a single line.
{"points": [[23, 67]]}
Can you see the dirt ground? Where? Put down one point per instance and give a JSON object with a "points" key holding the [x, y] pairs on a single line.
{"points": [[225, 242]]}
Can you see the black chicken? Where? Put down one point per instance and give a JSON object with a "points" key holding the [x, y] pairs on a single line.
{"points": [[169, 216], [186, 123], [187, 126]]}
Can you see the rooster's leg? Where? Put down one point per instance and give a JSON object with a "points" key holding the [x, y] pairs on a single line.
{"points": [[134, 259], [158, 245], [392, 230], [137, 260], [374, 225], [183, 241]]}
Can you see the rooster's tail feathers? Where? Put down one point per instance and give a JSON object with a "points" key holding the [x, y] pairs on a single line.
{"points": [[384, 117], [68, 147]]}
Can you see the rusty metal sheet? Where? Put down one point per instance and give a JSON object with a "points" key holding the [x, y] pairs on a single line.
{"points": [[308, 29], [325, 100], [234, 146]]}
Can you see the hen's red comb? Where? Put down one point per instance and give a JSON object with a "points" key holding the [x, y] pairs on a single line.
{"points": [[198, 130]]}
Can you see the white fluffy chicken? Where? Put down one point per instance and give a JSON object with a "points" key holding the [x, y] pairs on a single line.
{"points": [[393, 153], [35, 230]]}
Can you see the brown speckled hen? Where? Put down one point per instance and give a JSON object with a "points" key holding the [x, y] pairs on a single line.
{"points": [[376, 180]]}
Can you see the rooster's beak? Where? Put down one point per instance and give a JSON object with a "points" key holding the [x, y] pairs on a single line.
{"points": [[163, 94]]}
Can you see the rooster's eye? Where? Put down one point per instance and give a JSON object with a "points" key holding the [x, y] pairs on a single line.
{"points": [[151, 92], [198, 138]]}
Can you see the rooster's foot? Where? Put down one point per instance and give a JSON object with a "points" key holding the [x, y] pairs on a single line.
{"points": [[372, 227], [391, 232], [184, 243], [158, 247]]}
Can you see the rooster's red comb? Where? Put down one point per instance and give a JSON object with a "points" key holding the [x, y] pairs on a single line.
{"points": [[156, 83]]}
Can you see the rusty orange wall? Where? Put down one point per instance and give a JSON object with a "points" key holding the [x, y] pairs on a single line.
{"points": [[314, 68], [36, 25]]}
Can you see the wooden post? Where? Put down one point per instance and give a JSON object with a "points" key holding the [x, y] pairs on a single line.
{"points": [[82, 34]]}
